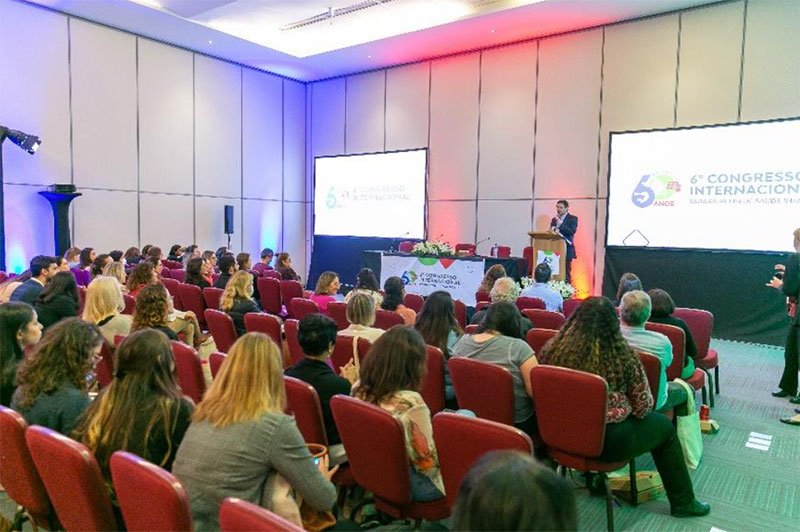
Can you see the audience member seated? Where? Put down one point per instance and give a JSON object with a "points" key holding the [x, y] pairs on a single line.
{"points": [[496, 342], [117, 271], [505, 289], [154, 253], [211, 257], [317, 336], [52, 384], [116, 255], [533, 496], [19, 329], [146, 250], [8, 286], [491, 276], [390, 378], [176, 253], [132, 256], [42, 268], [192, 252], [283, 265], [541, 290], [142, 275], [663, 307], [240, 441], [58, 300], [185, 322], [361, 315], [222, 250], [243, 262], [61, 264], [366, 283], [591, 341], [87, 257], [437, 324], [628, 281], [326, 290], [227, 267], [152, 310], [99, 264], [73, 257], [142, 411], [103, 307], [237, 299], [263, 265], [157, 265], [395, 289], [198, 273], [634, 312]]}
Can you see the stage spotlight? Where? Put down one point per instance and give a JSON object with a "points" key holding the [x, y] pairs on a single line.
{"points": [[29, 143]]}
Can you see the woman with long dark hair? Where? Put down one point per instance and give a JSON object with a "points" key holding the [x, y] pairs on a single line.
{"points": [[437, 322], [366, 283], [99, 264], [395, 289], [87, 256], [195, 274], [19, 329], [58, 300], [283, 265], [628, 282]]}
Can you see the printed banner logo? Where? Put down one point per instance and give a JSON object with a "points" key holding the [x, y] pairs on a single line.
{"points": [[409, 277], [656, 190]]}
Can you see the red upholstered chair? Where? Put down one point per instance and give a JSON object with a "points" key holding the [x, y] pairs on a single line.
{"points": [[72, 479], [406, 246], [264, 323], [222, 329], [470, 249], [302, 401], [678, 340], [701, 324], [376, 452], [301, 307], [130, 304], [486, 389], [571, 413], [343, 351], [471, 329], [105, 368], [652, 368], [386, 319], [529, 302], [189, 370], [215, 361], [269, 290], [413, 301], [527, 254], [118, 339], [289, 291], [18, 474], [338, 311], [462, 440], [212, 296], [172, 264], [172, 287], [290, 327], [570, 305], [237, 515], [536, 338], [480, 295], [166, 273], [81, 298], [432, 387], [545, 319], [192, 299], [150, 497], [460, 310], [214, 277], [82, 277], [272, 274], [482, 305], [179, 275], [503, 252]]}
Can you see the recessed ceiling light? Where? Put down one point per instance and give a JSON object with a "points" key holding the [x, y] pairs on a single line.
{"points": [[210, 42], [491, 31], [369, 56]]}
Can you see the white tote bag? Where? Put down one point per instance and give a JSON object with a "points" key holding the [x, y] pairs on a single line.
{"points": [[689, 433]]}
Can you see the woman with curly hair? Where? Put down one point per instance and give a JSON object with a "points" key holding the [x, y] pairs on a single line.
{"points": [[142, 275], [152, 310], [237, 299], [52, 383], [58, 300], [492, 274], [591, 341], [395, 289], [628, 282]]}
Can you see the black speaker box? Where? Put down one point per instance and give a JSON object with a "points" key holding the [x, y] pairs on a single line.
{"points": [[228, 219]]}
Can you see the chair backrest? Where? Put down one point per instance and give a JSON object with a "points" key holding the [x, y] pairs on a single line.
{"points": [[150, 497], [105, 368], [300, 307], [570, 409], [215, 361], [269, 291], [271, 274], [432, 387], [179, 275], [523, 302], [289, 291], [503, 252], [172, 287], [18, 473], [338, 311], [480, 295], [701, 325], [413, 301], [302, 401], [570, 305], [460, 310], [652, 368], [72, 479], [343, 351], [81, 298], [189, 370], [212, 296], [172, 264], [470, 249], [237, 515], [192, 299], [82, 277], [527, 254], [678, 340], [482, 305], [376, 448], [386, 319], [545, 319], [486, 389], [461, 441], [166, 273], [405, 247], [264, 323], [222, 328], [130, 304], [290, 327], [536, 338], [472, 328]]}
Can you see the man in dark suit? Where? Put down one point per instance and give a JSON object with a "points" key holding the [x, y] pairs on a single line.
{"points": [[790, 286], [565, 225], [42, 269], [227, 267]]}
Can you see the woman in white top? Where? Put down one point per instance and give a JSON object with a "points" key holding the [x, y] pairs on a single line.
{"points": [[366, 283], [361, 315]]}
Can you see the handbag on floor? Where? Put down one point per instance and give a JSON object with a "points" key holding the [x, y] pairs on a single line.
{"points": [[689, 434]]}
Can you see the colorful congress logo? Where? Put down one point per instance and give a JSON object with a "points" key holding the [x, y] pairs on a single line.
{"points": [[655, 189], [409, 277]]}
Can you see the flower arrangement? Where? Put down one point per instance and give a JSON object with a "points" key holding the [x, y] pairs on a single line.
{"points": [[563, 288], [433, 248]]}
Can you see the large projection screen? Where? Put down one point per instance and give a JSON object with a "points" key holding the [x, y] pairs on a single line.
{"points": [[730, 187], [371, 195]]}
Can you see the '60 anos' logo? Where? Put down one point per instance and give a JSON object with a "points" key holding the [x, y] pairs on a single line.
{"points": [[655, 189]]}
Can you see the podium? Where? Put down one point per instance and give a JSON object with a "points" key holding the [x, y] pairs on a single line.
{"points": [[549, 248], [60, 203]]}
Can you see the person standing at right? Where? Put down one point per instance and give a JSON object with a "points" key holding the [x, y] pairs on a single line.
{"points": [[790, 285], [565, 225]]}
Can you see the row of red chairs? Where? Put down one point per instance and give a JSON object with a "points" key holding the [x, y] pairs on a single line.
{"points": [[468, 249]]}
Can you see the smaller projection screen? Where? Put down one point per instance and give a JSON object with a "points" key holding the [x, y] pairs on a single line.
{"points": [[372, 195], [730, 187]]}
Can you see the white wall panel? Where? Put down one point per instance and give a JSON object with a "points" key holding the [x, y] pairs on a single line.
{"points": [[166, 118], [29, 226], [34, 92], [508, 114], [452, 221], [262, 226], [639, 67], [106, 220], [365, 111], [294, 141], [771, 74], [209, 229], [104, 142], [262, 135], [295, 236], [504, 222], [407, 98], [709, 67], [166, 220], [567, 115], [218, 127], [453, 163], [327, 117]]}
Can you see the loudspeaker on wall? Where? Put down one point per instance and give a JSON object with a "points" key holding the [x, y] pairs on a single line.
{"points": [[228, 219]]}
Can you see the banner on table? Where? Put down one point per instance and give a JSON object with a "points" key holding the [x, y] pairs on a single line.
{"points": [[551, 258], [425, 275]]}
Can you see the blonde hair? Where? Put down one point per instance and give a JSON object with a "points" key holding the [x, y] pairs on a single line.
{"points": [[796, 235], [361, 310], [240, 286], [324, 282], [249, 384], [103, 299], [117, 271]]}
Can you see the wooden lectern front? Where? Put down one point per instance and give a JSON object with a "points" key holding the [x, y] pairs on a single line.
{"points": [[550, 248]]}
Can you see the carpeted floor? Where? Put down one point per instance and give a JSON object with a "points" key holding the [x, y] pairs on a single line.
{"points": [[748, 489]]}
